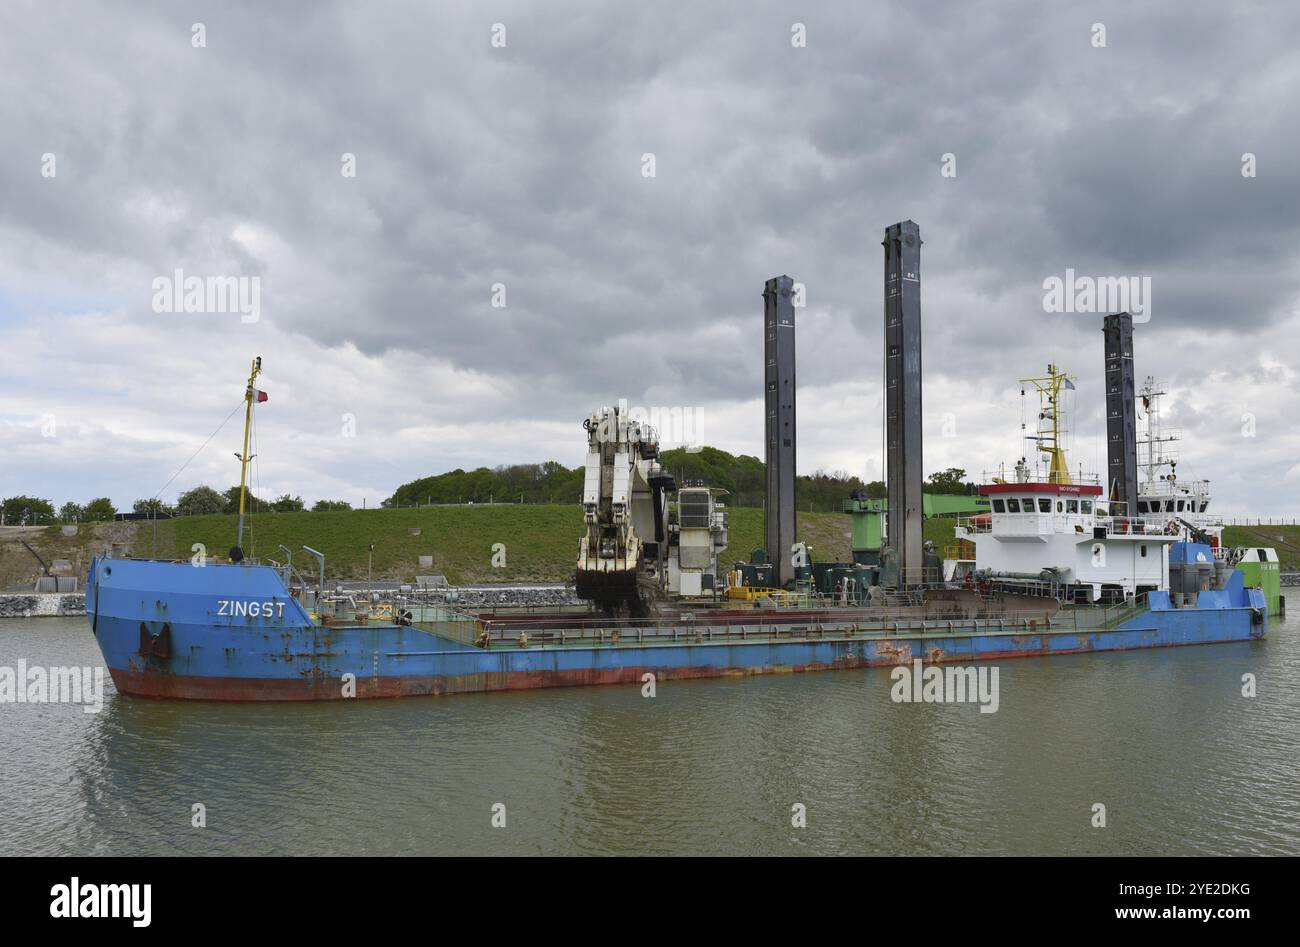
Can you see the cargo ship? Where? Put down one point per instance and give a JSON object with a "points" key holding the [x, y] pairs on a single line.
{"points": [[1062, 564], [1057, 571], [235, 632]]}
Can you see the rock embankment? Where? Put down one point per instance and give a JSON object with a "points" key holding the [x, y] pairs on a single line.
{"points": [[478, 597], [42, 605]]}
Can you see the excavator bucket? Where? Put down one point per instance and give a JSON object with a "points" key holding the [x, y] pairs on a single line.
{"points": [[610, 587]]}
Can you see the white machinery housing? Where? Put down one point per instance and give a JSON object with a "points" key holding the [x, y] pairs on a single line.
{"points": [[624, 502], [695, 540]]}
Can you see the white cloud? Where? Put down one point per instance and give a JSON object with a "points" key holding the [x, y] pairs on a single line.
{"points": [[521, 166]]}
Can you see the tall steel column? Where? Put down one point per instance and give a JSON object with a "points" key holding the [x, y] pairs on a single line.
{"points": [[1121, 414], [903, 398], [778, 377]]}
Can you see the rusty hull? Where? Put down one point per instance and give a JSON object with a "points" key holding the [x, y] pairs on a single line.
{"points": [[189, 642]]}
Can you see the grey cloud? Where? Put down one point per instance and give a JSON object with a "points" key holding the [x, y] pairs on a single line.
{"points": [[522, 166]]}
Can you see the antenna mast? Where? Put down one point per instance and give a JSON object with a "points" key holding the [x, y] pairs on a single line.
{"points": [[1050, 423], [250, 394]]}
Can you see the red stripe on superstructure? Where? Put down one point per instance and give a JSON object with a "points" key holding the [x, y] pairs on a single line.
{"points": [[1072, 489]]}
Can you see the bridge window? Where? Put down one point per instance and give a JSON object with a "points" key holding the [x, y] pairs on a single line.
{"points": [[1044, 505], [1180, 506], [1013, 505], [998, 505], [1072, 506], [1085, 505], [1142, 506]]}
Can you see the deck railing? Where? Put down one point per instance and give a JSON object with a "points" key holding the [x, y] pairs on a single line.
{"points": [[1026, 523]]}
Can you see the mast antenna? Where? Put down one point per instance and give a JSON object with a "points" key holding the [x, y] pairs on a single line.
{"points": [[1051, 424], [251, 394]]}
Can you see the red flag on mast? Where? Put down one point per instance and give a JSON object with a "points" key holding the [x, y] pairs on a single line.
{"points": [[261, 395]]}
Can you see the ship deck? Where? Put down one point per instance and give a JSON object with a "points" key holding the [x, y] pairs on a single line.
{"points": [[553, 631]]}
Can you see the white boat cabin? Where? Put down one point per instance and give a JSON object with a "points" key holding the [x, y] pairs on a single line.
{"points": [[1063, 535]]}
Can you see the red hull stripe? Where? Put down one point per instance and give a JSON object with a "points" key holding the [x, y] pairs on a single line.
{"points": [[154, 684]]}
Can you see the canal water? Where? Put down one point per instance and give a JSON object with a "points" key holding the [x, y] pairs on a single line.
{"points": [[1183, 763]]}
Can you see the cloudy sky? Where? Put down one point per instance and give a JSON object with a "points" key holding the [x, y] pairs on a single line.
{"points": [[133, 146]]}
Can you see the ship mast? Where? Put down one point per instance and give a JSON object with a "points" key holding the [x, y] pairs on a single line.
{"points": [[1050, 429], [1151, 446], [250, 394]]}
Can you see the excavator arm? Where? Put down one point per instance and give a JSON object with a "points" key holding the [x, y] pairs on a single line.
{"points": [[623, 505]]}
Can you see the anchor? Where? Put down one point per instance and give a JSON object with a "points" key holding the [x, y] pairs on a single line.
{"points": [[156, 646]]}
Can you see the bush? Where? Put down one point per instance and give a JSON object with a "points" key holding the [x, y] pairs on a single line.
{"points": [[200, 501], [99, 510], [330, 506], [26, 511]]}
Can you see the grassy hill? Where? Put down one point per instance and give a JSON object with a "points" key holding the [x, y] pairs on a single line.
{"points": [[541, 540], [741, 476], [1285, 539]]}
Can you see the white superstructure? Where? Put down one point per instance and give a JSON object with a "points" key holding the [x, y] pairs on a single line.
{"points": [[1062, 536], [1162, 496]]}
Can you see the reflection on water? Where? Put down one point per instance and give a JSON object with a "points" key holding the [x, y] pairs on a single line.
{"points": [[1183, 763]]}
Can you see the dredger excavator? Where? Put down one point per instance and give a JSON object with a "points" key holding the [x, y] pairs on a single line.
{"points": [[625, 491]]}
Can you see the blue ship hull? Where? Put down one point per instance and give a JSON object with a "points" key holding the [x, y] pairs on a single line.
{"points": [[233, 632]]}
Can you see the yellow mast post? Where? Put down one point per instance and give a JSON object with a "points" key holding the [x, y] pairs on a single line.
{"points": [[249, 394], [1049, 394]]}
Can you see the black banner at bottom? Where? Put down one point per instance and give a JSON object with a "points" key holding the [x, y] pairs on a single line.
{"points": [[329, 895]]}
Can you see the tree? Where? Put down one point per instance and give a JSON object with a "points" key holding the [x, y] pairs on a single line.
{"points": [[535, 483], [288, 504], [742, 476], [71, 512], [99, 510], [875, 490], [154, 506], [330, 506], [251, 503], [200, 501], [26, 511], [950, 481]]}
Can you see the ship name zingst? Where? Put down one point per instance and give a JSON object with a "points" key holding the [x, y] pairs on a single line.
{"points": [[239, 608]]}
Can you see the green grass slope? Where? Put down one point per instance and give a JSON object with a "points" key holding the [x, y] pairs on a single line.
{"points": [[541, 540], [1285, 539]]}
